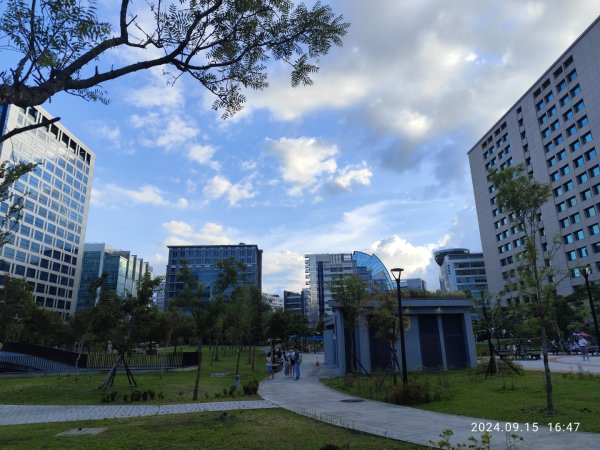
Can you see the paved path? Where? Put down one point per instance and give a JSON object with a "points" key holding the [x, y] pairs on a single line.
{"points": [[564, 363], [24, 414], [310, 397]]}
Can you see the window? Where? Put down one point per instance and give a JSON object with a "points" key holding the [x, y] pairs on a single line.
{"points": [[568, 239], [562, 206], [579, 161], [549, 97], [586, 195], [554, 176], [571, 202], [552, 111], [583, 121], [580, 106], [561, 86], [552, 161], [568, 186], [558, 191], [572, 255], [590, 212], [595, 171], [582, 178], [549, 147], [575, 146], [582, 252], [587, 137], [565, 100], [565, 170], [579, 235], [575, 91], [545, 133], [561, 155], [564, 223], [555, 125], [558, 140], [568, 115], [590, 154], [571, 130], [572, 76], [596, 247], [540, 105], [594, 229], [543, 119]]}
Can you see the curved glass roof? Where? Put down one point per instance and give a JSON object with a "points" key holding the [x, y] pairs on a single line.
{"points": [[379, 274]]}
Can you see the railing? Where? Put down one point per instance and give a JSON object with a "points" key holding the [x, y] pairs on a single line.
{"points": [[163, 360], [16, 362]]}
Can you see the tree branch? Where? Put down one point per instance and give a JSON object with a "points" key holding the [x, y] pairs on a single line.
{"points": [[16, 131]]}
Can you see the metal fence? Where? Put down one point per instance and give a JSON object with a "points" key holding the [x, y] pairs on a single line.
{"points": [[160, 360]]}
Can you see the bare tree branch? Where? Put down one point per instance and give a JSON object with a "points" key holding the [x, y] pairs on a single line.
{"points": [[45, 122]]}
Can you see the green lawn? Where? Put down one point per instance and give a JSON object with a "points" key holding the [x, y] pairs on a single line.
{"points": [[175, 387], [257, 429], [504, 397]]}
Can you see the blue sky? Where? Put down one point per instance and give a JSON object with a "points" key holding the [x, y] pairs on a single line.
{"points": [[373, 157]]}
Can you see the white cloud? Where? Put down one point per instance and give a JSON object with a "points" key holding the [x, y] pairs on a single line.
{"points": [[220, 186], [202, 154], [112, 195], [283, 270], [106, 130], [182, 233], [348, 175], [304, 162]]}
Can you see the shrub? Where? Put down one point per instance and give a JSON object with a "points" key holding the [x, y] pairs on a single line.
{"points": [[409, 394], [251, 387]]}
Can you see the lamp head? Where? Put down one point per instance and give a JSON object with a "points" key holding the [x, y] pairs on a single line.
{"points": [[397, 272]]}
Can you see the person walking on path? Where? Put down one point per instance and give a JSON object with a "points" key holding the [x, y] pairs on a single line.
{"points": [[298, 361], [583, 347], [270, 365], [292, 362]]}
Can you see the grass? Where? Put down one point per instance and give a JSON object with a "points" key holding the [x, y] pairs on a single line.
{"points": [[256, 429], [504, 397], [175, 387]]}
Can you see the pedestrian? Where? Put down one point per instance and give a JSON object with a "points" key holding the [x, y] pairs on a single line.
{"points": [[270, 365], [298, 361], [292, 362], [286, 364], [583, 347]]}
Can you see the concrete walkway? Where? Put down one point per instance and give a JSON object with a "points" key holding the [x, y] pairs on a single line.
{"points": [[564, 363], [311, 398], [25, 414]]}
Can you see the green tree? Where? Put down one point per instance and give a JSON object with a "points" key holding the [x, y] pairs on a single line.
{"points": [[521, 197], [190, 298], [14, 198], [16, 306], [351, 295], [383, 316], [64, 46]]}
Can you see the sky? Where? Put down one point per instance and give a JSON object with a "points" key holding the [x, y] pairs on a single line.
{"points": [[372, 157]]}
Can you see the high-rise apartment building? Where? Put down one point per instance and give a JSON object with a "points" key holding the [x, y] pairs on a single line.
{"points": [[123, 272], [323, 271], [201, 260], [553, 130], [48, 245], [461, 270]]}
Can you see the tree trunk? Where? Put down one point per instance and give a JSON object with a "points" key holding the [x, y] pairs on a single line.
{"points": [[394, 361], [197, 382], [237, 363], [547, 378]]}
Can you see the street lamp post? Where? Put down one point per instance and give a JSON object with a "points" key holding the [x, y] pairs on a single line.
{"points": [[397, 273], [585, 271]]}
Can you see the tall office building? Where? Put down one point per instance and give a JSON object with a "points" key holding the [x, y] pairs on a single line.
{"points": [[294, 302], [123, 272], [48, 246], [461, 270], [552, 130], [201, 261], [323, 271]]}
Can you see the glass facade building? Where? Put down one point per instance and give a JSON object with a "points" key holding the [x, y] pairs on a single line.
{"points": [[123, 272], [461, 270], [201, 261], [324, 270], [47, 248]]}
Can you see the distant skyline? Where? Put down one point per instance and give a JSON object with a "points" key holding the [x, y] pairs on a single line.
{"points": [[372, 157]]}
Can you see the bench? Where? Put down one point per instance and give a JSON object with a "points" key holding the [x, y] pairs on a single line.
{"points": [[533, 355]]}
